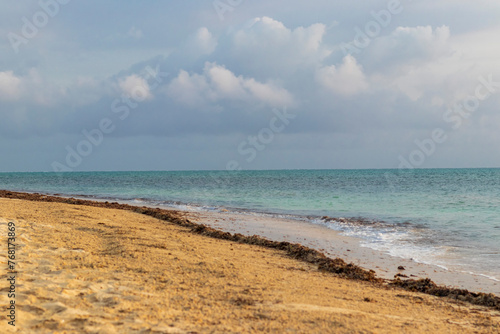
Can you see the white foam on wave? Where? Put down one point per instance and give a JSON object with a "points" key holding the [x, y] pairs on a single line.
{"points": [[181, 207], [493, 278], [396, 242]]}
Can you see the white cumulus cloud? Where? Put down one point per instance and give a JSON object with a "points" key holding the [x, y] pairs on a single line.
{"points": [[267, 45], [204, 41], [346, 79], [10, 86], [409, 46], [217, 83], [136, 87]]}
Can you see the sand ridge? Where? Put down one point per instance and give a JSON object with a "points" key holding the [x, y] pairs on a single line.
{"points": [[94, 270]]}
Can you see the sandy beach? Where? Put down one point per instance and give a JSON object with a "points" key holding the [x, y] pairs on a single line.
{"points": [[84, 269], [336, 245]]}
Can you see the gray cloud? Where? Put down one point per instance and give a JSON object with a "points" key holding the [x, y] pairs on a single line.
{"points": [[220, 81]]}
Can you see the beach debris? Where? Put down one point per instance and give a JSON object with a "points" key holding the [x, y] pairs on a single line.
{"points": [[425, 285], [401, 268]]}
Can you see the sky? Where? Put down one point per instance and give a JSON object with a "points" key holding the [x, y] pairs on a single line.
{"points": [[237, 84]]}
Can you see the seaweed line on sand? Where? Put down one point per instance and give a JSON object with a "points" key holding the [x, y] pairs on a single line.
{"points": [[336, 266]]}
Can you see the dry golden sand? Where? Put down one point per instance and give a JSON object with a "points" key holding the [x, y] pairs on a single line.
{"points": [[94, 270]]}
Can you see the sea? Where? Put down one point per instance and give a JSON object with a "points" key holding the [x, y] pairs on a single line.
{"points": [[444, 217]]}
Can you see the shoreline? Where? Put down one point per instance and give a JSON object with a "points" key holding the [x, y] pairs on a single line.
{"points": [[320, 239], [443, 273], [106, 267], [335, 245], [369, 263]]}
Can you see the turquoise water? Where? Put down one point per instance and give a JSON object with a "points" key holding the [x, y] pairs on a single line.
{"points": [[449, 217]]}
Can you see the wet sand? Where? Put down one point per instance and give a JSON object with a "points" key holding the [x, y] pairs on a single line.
{"points": [[333, 244], [87, 269]]}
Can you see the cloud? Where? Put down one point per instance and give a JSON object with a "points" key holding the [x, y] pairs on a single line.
{"points": [[347, 79], [408, 46], [217, 83], [136, 87], [227, 76], [421, 42], [477, 50], [10, 86], [189, 89], [204, 41], [416, 62], [29, 88], [267, 46]]}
